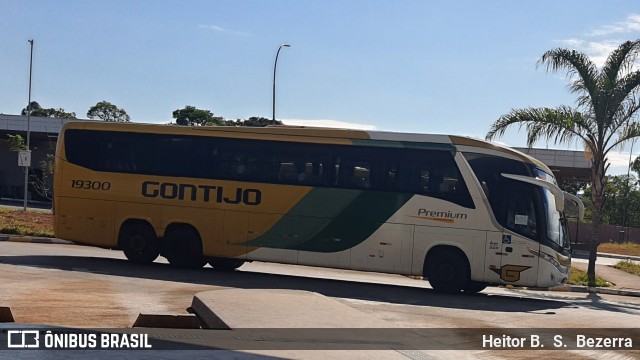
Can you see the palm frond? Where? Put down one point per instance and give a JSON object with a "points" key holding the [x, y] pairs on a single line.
{"points": [[626, 133], [561, 124], [575, 63], [622, 94], [619, 61]]}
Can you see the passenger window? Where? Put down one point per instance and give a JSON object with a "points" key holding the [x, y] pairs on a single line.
{"points": [[361, 175], [434, 174]]}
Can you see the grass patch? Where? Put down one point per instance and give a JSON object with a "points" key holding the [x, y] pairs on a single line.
{"points": [[628, 266], [579, 277], [631, 249], [30, 223]]}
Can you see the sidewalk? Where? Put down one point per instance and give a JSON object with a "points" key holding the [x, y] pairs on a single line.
{"points": [[623, 283]]}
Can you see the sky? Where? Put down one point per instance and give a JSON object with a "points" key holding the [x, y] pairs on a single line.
{"points": [[440, 67]]}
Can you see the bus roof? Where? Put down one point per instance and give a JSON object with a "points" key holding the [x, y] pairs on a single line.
{"points": [[313, 134]]}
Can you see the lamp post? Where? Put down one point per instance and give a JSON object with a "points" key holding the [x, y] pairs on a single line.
{"points": [[275, 66], [26, 168], [626, 196]]}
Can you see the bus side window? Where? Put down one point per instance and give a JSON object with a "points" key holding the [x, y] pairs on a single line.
{"points": [[391, 179], [361, 176], [316, 173], [433, 173], [286, 172]]}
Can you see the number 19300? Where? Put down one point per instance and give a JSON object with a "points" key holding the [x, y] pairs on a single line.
{"points": [[90, 185]]}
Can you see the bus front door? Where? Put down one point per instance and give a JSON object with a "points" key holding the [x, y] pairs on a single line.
{"points": [[518, 265]]}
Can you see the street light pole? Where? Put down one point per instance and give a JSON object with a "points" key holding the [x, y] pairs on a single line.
{"points": [[626, 196], [26, 168], [275, 66]]}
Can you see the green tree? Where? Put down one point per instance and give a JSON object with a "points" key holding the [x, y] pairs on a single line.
{"points": [[41, 179], [573, 186], [192, 116], [106, 111], [635, 166], [254, 121], [16, 142], [35, 109], [621, 204], [602, 120]]}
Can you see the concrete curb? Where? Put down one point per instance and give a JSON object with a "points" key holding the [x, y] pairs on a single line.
{"points": [[34, 239], [585, 254], [595, 290]]}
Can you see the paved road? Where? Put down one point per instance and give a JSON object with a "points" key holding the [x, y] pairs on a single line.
{"points": [[88, 287]]}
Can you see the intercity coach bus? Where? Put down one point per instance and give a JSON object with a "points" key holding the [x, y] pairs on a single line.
{"points": [[461, 212]]}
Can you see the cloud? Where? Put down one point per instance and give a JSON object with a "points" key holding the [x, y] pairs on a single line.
{"points": [[221, 30], [328, 124], [629, 25], [598, 51], [620, 159], [598, 44]]}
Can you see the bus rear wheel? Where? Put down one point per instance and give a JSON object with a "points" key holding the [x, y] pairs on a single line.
{"points": [[447, 272], [139, 243], [225, 264], [183, 247]]}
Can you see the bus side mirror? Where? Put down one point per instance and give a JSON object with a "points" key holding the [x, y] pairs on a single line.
{"points": [[577, 202]]}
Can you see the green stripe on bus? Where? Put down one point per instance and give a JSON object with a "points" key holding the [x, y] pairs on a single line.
{"points": [[306, 219], [331, 220]]}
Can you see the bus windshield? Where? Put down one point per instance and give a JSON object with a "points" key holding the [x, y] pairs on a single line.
{"points": [[540, 174], [555, 227]]}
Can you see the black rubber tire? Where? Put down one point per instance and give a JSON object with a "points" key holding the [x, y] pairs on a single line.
{"points": [[225, 264], [139, 243], [447, 272], [474, 287], [183, 247]]}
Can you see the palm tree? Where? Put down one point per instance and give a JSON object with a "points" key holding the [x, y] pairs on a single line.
{"points": [[603, 119]]}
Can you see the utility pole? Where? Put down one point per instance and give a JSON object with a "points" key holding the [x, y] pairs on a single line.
{"points": [[26, 157], [275, 66]]}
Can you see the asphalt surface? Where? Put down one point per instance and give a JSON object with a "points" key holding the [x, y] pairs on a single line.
{"points": [[286, 328]]}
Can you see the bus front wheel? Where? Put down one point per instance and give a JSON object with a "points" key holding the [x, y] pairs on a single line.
{"points": [[183, 247], [447, 272], [473, 287], [139, 243]]}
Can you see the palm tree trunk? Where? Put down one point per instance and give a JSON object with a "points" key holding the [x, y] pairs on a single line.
{"points": [[593, 248], [598, 200]]}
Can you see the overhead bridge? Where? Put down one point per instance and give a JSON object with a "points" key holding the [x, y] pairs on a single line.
{"points": [[567, 165]]}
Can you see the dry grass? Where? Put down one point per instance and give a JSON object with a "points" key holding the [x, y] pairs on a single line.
{"points": [[631, 249], [19, 222]]}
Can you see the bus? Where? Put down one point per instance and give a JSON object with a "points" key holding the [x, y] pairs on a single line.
{"points": [[462, 213]]}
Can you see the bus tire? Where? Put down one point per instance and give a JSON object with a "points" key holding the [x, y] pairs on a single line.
{"points": [[139, 243], [447, 271], [473, 287], [183, 247], [225, 264]]}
